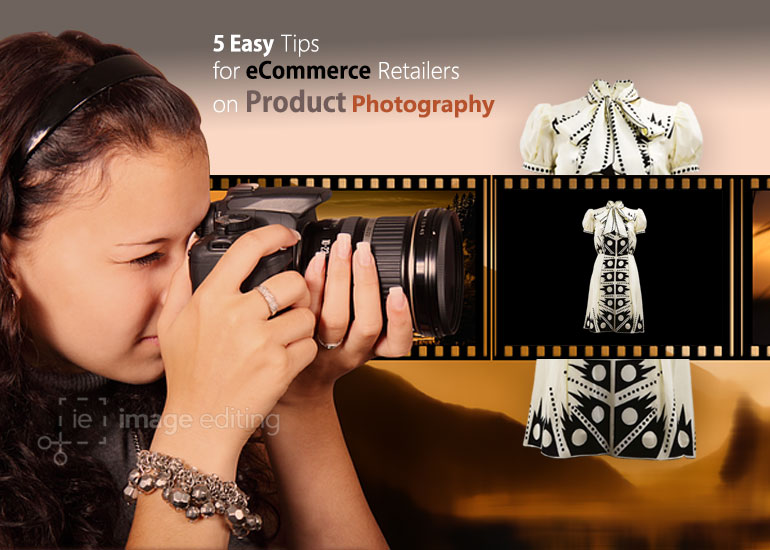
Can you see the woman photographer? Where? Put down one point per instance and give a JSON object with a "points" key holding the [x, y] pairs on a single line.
{"points": [[100, 195]]}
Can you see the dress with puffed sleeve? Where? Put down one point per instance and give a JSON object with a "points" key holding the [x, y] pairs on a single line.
{"points": [[686, 142], [614, 292], [611, 130], [536, 145]]}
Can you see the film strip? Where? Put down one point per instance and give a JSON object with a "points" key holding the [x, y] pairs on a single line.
{"points": [[374, 196], [753, 249], [612, 351], [360, 183], [546, 271], [620, 183]]}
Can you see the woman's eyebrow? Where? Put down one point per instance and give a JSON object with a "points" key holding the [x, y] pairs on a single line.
{"points": [[153, 241]]}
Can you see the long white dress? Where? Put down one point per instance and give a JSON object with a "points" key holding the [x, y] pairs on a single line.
{"points": [[632, 408], [611, 130], [614, 294]]}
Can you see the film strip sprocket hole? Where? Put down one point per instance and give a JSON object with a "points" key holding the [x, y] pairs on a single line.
{"points": [[384, 196], [558, 275]]}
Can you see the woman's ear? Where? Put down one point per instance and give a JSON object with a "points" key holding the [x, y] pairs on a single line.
{"points": [[9, 250]]}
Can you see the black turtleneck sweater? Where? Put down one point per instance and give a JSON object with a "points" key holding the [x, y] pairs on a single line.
{"points": [[88, 419]]}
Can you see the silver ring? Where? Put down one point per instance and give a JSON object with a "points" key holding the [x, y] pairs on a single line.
{"points": [[272, 303], [328, 346]]}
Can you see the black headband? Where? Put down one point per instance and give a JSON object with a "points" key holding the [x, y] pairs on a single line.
{"points": [[68, 98]]}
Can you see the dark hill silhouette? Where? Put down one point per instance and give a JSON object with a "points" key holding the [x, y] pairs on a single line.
{"points": [[715, 401], [745, 472], [746, 445], [730, 483], [438, 453]]}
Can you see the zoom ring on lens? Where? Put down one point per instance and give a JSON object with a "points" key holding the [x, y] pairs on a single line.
{"points": [[390, 251]]}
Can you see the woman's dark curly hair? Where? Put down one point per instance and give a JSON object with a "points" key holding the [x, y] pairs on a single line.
{"points": [[76, 504]]}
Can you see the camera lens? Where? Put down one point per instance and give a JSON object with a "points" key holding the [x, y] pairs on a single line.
{"points": [[420, 253]]}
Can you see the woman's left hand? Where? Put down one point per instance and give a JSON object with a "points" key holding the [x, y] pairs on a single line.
{"points": [[360, 340]]}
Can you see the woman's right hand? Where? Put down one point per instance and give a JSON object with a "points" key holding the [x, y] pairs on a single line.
{"points": [[222, 352]]}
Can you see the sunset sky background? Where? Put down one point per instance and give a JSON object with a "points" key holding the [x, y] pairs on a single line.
{"points": [[467, 419]]}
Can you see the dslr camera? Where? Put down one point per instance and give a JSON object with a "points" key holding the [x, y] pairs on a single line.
{"points": [[420, 253]]}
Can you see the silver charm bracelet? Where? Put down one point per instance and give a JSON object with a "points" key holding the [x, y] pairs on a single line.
{"points": [[185, 489]]}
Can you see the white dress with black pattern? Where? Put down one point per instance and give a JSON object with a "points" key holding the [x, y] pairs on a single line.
{"points": [[630, 408], [614, 294], [611, 130]]}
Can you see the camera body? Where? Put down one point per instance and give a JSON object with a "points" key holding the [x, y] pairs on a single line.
{"points": [[421, 253], [247, 206]]}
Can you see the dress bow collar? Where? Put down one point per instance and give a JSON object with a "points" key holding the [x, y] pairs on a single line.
{"points": [[609, 131], [613, 218]]}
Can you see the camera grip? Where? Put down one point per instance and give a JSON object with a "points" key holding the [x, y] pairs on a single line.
{"points": [[205, 254]]}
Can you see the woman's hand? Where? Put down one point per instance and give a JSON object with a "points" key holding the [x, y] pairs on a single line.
{"points": [[223, 353], [360, 340]]}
